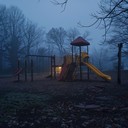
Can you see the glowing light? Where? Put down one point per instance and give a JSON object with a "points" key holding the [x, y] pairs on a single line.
{"points": [[59, 68]]}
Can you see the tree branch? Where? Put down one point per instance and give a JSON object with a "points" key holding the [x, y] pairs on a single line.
{"points": [[62, 4]]}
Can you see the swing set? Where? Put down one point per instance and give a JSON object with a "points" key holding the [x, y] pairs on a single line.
{"points": [[39, 66]]}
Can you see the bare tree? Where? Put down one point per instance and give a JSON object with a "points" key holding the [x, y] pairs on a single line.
{"points": [[3, 33], [109, 11], [62, 4], [56, 37], [120, 33], [113, 15], [42, 51], [3, 25], [72, 34], [15, 22], [17, 35], [32, 36], [100, 58]]}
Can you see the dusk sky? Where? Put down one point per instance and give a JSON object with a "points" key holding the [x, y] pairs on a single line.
{"points": [[48, 15]]}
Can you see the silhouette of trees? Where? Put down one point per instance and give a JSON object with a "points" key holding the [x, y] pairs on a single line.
{"points": [[3, 33], [17, 35], [113, 16], [62, 4], [60, 39], [42, 51], [72, 34], [15, 22], [56, 37], [110, 11], [32, 36], [100, 59]]}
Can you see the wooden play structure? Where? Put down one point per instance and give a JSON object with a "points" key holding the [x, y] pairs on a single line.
{"points": [[71, 69], [31, 67], [73, 63]]}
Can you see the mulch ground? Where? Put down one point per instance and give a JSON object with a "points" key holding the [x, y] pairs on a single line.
{"points": [[53, 104]]}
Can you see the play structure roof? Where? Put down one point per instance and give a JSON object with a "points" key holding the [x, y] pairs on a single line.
{"points": [[80, 42]]}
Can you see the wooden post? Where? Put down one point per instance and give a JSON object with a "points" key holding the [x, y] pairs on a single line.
{"points": [[64, 58], [119, 63], [54, 59], [18, 69], [80, 65], [51, 67], [31, 70], [25, 69], [72, 53], [87, 62]]}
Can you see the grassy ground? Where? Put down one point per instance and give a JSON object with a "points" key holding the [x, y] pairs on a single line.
{"points": [[53, 104]]}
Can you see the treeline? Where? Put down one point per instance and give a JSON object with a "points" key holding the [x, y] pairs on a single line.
{"points": [[17, 35], [20, 37]]}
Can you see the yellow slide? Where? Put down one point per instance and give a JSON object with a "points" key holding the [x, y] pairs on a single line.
{"points": [[97, 71]]}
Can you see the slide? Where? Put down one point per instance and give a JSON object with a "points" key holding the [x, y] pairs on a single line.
{"points": [[97, 71], [67, 72], [70, 72], [63, 72]]}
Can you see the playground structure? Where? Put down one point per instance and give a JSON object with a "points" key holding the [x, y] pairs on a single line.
{"points": [[69, 70], [71, 66], [35, 67], [65, 72]]}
